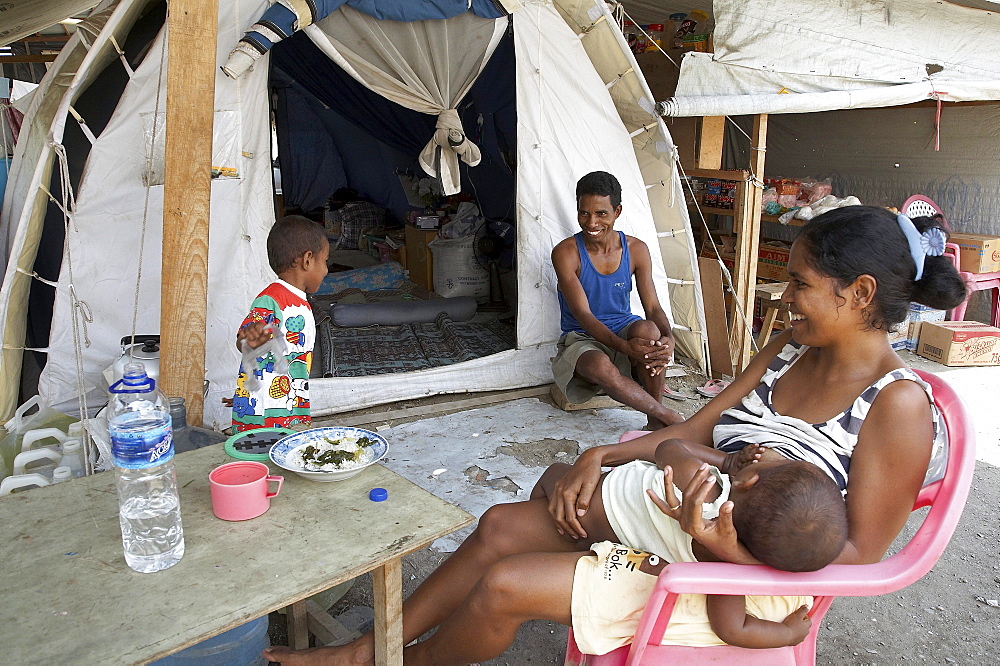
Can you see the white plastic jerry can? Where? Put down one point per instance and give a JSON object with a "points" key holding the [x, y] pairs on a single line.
{"points": [[22, 460], [20, 481], [32, 437]]}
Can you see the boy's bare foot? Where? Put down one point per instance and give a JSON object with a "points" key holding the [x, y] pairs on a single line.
{"points": [[361, 652]]}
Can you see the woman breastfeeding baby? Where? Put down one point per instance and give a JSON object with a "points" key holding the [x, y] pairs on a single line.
{"points": [[830, 392]]}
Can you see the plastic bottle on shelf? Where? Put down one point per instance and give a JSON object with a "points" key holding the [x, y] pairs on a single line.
{"points": [[641, 41], [142, 447], [655, 37], [72, 457], [677, 33]]}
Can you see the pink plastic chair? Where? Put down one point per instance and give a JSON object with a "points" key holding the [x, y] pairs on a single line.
{"points": [[946, 499], [920, 206]]}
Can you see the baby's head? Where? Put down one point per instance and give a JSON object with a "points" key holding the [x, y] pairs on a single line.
{"points": [[792, 518], [290, 238]]}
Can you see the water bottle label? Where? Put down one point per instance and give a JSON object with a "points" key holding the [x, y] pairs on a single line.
{"points": [[139, 448]]}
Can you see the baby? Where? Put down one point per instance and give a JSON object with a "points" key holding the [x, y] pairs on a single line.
{"points": [[788, 514]]}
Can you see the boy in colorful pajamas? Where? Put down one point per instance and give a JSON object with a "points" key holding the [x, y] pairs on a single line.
{"points": [[297, 250]]}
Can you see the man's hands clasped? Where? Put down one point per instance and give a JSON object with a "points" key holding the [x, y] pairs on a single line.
{"points": [[655, 355]]}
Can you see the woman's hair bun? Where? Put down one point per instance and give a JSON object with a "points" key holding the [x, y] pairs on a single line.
{"points": [[940, 287], [851, 241]]}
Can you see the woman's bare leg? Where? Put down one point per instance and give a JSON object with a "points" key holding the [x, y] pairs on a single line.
{"points": [[518, 588], [505, 529]]}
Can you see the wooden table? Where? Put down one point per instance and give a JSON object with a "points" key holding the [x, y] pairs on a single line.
{"points": [[770, 297], [68, 595]]}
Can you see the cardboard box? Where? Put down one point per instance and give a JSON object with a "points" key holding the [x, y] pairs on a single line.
{"points": [[960, 343], [772, 261], [979, 253], [419, 261], [907, 335]]}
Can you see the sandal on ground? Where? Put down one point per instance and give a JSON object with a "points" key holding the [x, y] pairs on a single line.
{"points": [[673, 394], [712, 387]]}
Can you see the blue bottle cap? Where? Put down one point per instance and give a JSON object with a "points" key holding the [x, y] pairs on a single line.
{"points": [[378, 494]]}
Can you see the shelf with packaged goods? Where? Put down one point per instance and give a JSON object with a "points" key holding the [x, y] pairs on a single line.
{"points": [[729, 212]]}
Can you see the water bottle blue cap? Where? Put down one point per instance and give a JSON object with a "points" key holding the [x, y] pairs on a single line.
{"points": [[378, 494], [134, 380]]}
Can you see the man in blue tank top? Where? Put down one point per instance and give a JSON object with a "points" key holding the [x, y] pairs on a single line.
{"points": [[604, 346]]}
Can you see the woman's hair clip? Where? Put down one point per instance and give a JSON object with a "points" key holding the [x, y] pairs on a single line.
{"points": [[931, 243]]}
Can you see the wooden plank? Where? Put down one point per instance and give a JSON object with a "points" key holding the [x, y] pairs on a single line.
{"points": [[387, 586], [46, 38], [730, 212], [713, 293], [436, 409], [298, 626], [708, 149], [326, 629], [44, 57], [727, 174], [190, 101], [771, 291], [770, 315], [599, 401], [747, 227]]}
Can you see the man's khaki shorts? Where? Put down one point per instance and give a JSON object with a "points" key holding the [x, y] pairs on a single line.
{"points": [[568, 351]]}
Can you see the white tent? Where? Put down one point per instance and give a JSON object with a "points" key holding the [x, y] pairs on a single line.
{"points": [[581, 104]]}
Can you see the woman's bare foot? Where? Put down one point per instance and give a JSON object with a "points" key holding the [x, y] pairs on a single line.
{"points": [[361, 652]]}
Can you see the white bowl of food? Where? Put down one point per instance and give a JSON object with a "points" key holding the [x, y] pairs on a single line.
{"points": [[329, 454]]}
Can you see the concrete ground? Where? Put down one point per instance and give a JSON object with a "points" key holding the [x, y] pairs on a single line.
{"points": [[951, 616]]}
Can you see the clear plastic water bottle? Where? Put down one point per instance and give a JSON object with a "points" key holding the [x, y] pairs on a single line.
{"points": [[142, 447]]}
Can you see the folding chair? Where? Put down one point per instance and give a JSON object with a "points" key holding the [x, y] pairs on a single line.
{"points": [[946, 499]]}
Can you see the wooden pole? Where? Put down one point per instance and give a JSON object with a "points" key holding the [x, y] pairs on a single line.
{"points": [[191, 70], [708, 148], [747, 228]]}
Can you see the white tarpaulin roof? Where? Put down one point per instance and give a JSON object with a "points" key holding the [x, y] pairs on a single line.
{"points": [[657, 11], [838, 54], [21, 18]]}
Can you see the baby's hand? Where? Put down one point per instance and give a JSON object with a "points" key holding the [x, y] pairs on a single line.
{"points": [[736, 461], [799, 623], [255, 333]]}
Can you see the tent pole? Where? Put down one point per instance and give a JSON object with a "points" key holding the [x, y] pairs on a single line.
{"points": [[747, 228], [191, 70]]}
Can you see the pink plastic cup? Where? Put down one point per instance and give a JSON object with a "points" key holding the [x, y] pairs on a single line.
{"points": [[240, 490]]}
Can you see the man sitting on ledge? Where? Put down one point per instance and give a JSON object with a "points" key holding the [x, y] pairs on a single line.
{"points": [[604, 346]]}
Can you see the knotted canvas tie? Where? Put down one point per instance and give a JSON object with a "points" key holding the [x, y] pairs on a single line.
{"points": [[449, 138]]}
